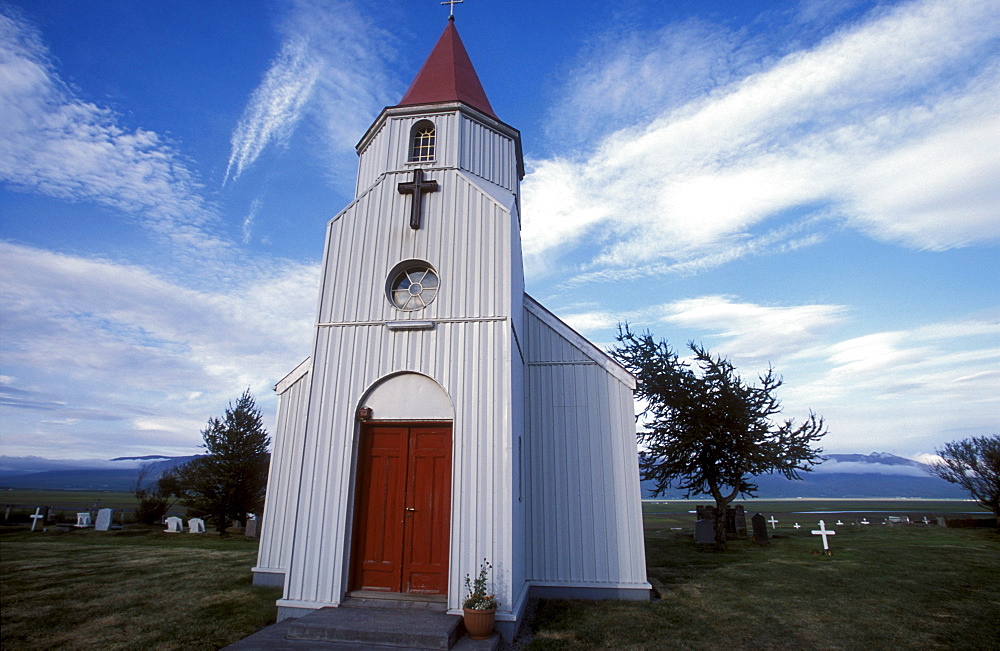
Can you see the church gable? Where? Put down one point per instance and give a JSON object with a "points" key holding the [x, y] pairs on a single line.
{"points": [[465, 236]]}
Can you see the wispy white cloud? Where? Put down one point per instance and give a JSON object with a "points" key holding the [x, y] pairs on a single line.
{"points": [[275, 106], [749, 333], [888, 126], [898, 390], [907, 389], [755, 333], [55, 143], [330, 70], [832, 466], [157, 356], [249, 220]]}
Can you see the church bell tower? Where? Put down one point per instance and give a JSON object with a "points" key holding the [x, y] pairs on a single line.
{"points": [[405, 476]]}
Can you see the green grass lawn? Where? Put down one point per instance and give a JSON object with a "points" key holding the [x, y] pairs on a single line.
{"points": [[902, 586], [134, 589]]}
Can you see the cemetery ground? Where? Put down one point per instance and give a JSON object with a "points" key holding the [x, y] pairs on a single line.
{"points": [[137, 588], [900, 586], [884, 586]]}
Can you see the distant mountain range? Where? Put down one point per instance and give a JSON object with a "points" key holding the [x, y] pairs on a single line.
{"points": [[117, 474], [878, 474]]}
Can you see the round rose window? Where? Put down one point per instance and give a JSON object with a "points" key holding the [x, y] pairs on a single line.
{"points": [[413, 286]]}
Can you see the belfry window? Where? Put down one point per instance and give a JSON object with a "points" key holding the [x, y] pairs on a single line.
{"points": [[422, 141]]}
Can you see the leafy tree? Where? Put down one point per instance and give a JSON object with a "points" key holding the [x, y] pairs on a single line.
{"points": [[229, 482], [709, 432], [153, 502], [973, 464]]}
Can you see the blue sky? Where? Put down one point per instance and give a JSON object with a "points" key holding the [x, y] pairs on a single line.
{"points": [[812, 184]]}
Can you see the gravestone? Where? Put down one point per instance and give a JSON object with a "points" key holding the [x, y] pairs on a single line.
{"points": [[104, 519], [736, 519], [36, 517], [824, 532], [704, 532], [759, 530], [196, 525], [251, 530], [774, 523], [82, 519], [174, 525], [797, 526]]}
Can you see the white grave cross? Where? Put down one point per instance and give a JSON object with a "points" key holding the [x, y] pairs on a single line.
{"points": [[773, 522], [823, 531], [797, 526], [35, 518]]}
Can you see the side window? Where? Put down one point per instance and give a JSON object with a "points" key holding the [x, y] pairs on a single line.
{"points": [[422, 141]]}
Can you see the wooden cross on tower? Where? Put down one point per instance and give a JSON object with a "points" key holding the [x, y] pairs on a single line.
{"points": [[417, 188]]}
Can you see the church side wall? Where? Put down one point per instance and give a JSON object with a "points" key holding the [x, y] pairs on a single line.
{"points": [[282, 486], [584, 509], [519, 527]]}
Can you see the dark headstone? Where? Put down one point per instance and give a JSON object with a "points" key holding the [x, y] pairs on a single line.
{"points": [[759, 529], [736, 519], [704, 532]]}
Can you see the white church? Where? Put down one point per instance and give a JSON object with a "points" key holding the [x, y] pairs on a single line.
{"points": [[444, 416]]}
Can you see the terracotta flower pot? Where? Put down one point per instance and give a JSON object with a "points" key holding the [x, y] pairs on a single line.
{"points": [[479, 623]]}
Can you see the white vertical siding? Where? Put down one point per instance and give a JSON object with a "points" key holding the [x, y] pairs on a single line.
{"points": [[462, 142], [465, 235], [584, 508], [282, 478], [471, 362], [468, 233], [488, 154]]}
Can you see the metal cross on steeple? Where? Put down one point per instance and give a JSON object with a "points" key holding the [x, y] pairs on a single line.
{"points": [[451, 9], [417, 188]]}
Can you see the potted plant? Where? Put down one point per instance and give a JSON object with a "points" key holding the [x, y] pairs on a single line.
{"points": [[480, 604]]}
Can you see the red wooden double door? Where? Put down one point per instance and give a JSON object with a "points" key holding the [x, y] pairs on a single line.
{"points": [[403, 508]]}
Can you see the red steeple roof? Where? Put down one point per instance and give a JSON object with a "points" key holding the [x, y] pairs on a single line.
{"points": [[447, 75]]}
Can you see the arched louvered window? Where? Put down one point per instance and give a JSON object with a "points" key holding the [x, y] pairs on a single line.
{"points": [[422, 141]]}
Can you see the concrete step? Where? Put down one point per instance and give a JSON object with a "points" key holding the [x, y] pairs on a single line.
{"points": [[409, 628]]}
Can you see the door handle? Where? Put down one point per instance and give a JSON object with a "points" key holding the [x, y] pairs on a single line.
{"points": [[410, 508]]}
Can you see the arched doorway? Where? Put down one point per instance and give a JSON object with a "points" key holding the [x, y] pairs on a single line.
{"points": [[402, 516]]}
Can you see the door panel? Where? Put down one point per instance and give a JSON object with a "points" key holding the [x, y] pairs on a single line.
{"points": [[403, 512], [425, 548], [378, 541]]}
